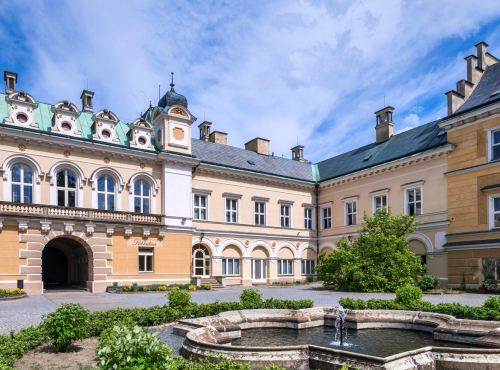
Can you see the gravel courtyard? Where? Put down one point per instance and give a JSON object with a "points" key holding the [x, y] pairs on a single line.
{"points": [[17, 314]]}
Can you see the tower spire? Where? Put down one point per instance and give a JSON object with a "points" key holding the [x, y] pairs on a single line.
{"points": [[172, 84]]}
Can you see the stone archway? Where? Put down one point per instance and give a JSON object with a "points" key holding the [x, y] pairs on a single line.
{"points": [[66, 262]]}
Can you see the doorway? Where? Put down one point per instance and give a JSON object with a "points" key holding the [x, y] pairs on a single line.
{"points": [[201, 261], [259, 271]]}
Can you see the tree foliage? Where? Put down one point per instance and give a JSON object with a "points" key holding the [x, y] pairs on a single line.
{"points": [[379, 260]]}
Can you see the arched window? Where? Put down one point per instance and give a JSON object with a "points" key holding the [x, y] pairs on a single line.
{"points": [[106, 193], [141, 197], [66, 188], [22, 184]]}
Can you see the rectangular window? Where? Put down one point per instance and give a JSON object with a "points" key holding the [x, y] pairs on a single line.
{"points": [[230, 266], [231, 210], [145, 260], [308, 220], [380, 203], [414, 201], [200, 207], [260, 213], [285, 267], [327, 217], [308, 267], [350, 213], [495, 145], [285, 216], [496, 212]]}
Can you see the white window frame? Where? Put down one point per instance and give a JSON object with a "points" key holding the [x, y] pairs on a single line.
{"points": [[80, 180], [285, 217], [310, 209], [203, 193], [142, 196], [6, 168], [379, 195], [280, 265], [119, 185], [22, 184], [289, 204], [106, 192], [232, 197], [199, 207], [67, 189], [491, 199], [323, 218], [264, 201], [144, 253], [490, 143], [303, 267], [225, 264], [406, 198], [347, 201]]}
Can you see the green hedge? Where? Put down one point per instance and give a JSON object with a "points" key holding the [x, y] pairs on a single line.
{"points": [[13, 347], [489, 311]]}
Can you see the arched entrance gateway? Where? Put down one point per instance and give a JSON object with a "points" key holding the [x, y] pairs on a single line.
{"points": [[201, 261], [65, 263]]}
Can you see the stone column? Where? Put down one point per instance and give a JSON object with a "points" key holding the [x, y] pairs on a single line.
{"points": [[246, 271], [297, 269], [272, 276]]}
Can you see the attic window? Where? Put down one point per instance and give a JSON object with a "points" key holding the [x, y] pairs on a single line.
{"points": [[251, 162], [441, 133], [495, 93], [367, 158]]}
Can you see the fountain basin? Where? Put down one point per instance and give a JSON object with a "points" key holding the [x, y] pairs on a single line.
{"points": [[215, 334]]}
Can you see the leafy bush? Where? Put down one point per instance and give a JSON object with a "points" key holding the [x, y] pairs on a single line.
{"points": [[162, 288], [428, 282], [145, 288], [192, 287], [67, 324], [177, 298], [11, 292], [310, 279], [492, 303], [408, 294], [378, 260], [175, 288], [251, 299], [127, 288], [134, 349], [207, 286], [115, 283]]}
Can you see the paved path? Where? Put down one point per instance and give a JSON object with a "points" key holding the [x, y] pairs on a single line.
{"points": [[17, 314]]}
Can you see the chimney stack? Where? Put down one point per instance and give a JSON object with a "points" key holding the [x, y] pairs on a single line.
{"points": [[205, 130], [384, 126], [218, 137], [87, 104], [11, 79], [481, 55], [298, 153], [258, 145]]}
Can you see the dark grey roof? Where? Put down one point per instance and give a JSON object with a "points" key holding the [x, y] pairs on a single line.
{"points": [[230, 156], [481, 96], [417, 140]]}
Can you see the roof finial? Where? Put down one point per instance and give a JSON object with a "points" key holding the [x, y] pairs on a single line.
{"points": [[172, 84]]}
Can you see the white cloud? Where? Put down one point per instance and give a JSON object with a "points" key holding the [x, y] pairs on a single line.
{"points": [[280, 69]]}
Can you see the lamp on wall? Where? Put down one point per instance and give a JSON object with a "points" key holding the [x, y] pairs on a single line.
{"points": [[183, 221], [349, 238]]}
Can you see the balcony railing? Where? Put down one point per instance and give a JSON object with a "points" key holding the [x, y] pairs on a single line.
{"points": [[74, 213]]}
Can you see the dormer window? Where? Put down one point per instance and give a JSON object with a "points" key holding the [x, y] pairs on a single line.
{"points": [[140, 134], [141, 141], [22, 118], [65, 117], [23, 106], [66, 126], [105, 134]]}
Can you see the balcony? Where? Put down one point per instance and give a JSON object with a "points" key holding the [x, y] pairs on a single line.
{"points": [[77, 214]]}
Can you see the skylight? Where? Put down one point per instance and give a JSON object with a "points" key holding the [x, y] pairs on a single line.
{"points": [[495, 93], [252, 163], [367, 158], [441, 133]]}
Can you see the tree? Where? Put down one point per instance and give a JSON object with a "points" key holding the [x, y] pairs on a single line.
{"points": [[379, 260]]}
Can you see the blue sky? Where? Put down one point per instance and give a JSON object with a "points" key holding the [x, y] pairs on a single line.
{"points": [[283, 70]]}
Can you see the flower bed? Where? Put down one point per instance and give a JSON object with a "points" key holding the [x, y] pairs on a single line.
{"points": [[134, 288], [11, 293]]}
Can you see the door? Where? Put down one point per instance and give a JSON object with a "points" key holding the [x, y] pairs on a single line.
{"points": [[201, 262], [259, 271]]}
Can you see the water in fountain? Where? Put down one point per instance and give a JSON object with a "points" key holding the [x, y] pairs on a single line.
{"points": [[341, 329]]}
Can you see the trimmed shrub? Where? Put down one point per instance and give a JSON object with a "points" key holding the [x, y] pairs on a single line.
{"points": [[408, 294], [134, 349], [177, 298], [428, 282], [67, 324], [251, 299], [207, 286], [162, 288], [192, 287]]}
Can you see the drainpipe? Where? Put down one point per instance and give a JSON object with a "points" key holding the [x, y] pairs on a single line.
{"points": [[316, 186]]}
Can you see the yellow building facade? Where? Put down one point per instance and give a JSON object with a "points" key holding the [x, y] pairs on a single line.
{"points": [[88, 200]]}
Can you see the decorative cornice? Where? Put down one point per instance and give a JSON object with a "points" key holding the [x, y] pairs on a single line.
{"points": [[391, 166], [470, 118]]}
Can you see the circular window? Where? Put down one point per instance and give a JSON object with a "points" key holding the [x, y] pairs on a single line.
{"points": [[105, 134], [142, 141], [66, 126], [22, 118]]}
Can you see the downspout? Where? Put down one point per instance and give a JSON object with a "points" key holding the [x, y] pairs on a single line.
{"points": [[316, 186]]}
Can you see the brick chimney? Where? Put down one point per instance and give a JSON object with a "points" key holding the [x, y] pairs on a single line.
{"points": [[11, 79], [204, 130], [218, 137], [258, 145], [384, 126], [298, 153]]}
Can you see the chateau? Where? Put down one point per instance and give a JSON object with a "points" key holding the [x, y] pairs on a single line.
{"points": [[90, 200]]}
